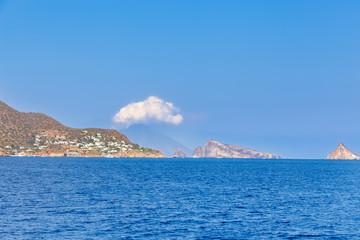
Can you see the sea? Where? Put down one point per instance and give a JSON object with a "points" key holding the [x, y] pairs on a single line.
{"points": [[119, 198]]}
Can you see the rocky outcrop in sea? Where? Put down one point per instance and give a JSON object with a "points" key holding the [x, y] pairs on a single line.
{"points": [[213, 149], [179, 154], [341, 152]]}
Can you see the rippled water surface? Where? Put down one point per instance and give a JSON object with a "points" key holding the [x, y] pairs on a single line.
{"points": [[98, 198]]}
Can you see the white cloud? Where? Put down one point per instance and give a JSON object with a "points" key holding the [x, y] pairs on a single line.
{"points": [[152, 109]]}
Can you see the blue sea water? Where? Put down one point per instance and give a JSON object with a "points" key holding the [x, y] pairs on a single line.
{"points": [[99, 198]]}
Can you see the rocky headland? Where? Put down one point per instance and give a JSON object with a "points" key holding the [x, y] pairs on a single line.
{"points": [[213, 149], [36, 134], [341, 152]]}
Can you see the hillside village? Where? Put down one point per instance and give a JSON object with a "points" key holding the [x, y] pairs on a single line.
{"points": [[87, 145], [36, 134]]}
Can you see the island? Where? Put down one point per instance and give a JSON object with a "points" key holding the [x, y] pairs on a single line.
{"points": [[343, 153], [179, 154], [214, 149], [36, 134]]}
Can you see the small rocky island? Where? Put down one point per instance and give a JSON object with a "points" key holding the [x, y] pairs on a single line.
{"points": [[341, 152], [179, 154], [213, 149]]}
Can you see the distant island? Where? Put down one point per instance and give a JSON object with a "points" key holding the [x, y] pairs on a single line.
{"points": [[341, 152], [36, 134], [213, 149], [179, 154]]}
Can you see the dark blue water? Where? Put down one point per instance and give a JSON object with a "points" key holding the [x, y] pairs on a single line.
{"points": [[96, 198]]}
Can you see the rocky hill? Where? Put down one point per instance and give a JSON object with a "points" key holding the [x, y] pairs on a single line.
{"points": [[213, 149], [341, 152], [179, 154], [35, 134]]}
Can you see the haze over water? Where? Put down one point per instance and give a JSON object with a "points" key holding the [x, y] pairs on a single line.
{"points": [[79, 198]]}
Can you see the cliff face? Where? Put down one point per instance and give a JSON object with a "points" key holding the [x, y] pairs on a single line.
{"points": [[199, 152], [213, 149], [35, 134], [179, 154], [341, 152]]}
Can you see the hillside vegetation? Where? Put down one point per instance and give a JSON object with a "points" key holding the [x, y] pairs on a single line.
{"points": [[38, 134]]}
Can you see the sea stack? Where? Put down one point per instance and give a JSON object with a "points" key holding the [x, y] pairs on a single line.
{"points": [[341, 152], [179, 154]]}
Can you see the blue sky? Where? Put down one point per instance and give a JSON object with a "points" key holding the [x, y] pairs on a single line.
{"points": [[278, 76]]}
